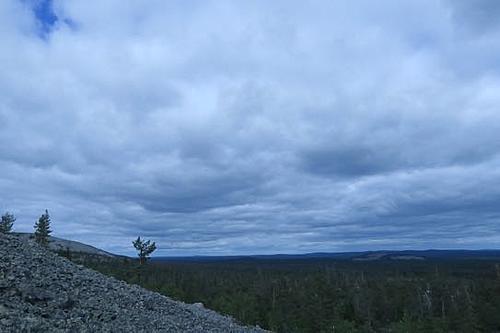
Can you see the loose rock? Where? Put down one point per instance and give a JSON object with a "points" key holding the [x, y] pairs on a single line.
{"points": [[43, 292]]}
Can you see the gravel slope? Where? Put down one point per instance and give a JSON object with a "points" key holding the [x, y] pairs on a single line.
{"points": [[42, 292]]}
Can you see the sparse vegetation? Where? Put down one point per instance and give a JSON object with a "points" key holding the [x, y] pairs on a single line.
{"points": [[42, 229], [7, 222], [144, 249]]}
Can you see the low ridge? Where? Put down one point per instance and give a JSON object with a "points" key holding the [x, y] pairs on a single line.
{"points": [[59, 244], [41, 291]]}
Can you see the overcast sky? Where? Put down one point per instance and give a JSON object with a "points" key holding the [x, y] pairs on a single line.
{"points": [[238, 127]]}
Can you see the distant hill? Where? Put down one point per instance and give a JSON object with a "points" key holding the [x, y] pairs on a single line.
{"points": [[59, 244], [354, 256]]}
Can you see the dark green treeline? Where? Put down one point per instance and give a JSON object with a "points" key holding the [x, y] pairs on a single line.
{"points": [[332, 296]]}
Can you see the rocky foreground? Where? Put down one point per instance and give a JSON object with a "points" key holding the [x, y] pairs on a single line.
{"points": [[43, 292]]}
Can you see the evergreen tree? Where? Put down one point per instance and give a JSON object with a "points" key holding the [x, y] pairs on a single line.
{"points": [[42, 229], [144, 249], [7, 222]]}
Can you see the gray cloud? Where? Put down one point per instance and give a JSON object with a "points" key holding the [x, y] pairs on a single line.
{"points": [[227, 128], [479, 16]]}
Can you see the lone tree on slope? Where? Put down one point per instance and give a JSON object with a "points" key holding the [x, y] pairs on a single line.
{"points": [[144, 249], [42, 229], [7, 222]]}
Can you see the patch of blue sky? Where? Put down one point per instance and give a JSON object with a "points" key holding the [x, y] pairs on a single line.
{"points": [[46, 18]]}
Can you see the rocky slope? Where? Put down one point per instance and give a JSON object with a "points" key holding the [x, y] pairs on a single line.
{"points": [[59, 244], [42, 292]]}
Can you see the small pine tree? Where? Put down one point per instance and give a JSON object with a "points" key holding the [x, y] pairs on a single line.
{"points": [[42, 229], [7, 222], [144, 248]]}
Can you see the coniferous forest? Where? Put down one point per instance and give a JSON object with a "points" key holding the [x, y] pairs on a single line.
{"points": [[327, 295]]}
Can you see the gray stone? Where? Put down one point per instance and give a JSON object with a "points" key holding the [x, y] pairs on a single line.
{"points": [[48, 293]]}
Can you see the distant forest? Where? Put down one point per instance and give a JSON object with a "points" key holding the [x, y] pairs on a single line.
{"points": [[325, 295]]}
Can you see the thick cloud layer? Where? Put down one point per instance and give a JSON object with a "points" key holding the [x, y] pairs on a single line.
{"points": [[224, 127]]}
